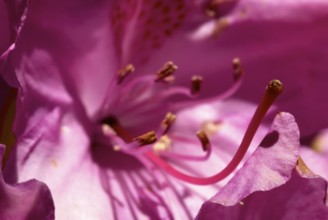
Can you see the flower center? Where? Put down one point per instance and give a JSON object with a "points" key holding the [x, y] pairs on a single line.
{"points": [[154, 146]]}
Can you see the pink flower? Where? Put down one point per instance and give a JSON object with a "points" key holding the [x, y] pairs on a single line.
{"points": [[83, 129]]}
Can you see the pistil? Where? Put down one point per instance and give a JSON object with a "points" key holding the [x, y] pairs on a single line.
{"points": [[273, 90]]}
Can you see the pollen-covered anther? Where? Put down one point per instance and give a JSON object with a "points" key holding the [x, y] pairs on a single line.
{"points": [[237, 68], [116, 148], [147, 138], [166, 71], [124, 72], [168, 121], [211, 127], [169, 79], [163, 144], [202, 136], [107, 130], [196, 84]]}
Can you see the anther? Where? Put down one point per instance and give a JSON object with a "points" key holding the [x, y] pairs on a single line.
{"points": [[211, 127], [196, 83], [167, 122], [169, 79], [124, 72], [238, 70], [147, 138], [163, 144], [166, 71], [202, 136]]}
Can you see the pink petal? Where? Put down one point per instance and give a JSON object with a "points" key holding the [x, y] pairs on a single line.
{"points": [[66, 46], [89, 179], [277, 39], [4, 28], [299, 198], [28, 200], [269, 166], [267, 170]]}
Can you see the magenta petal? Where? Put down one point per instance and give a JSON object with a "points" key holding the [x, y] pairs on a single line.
{"points": [[12, 18], [317, 161], [65, 46], [265, 35], [28, 200], [4, 28], [300, 198], [269, 167]]}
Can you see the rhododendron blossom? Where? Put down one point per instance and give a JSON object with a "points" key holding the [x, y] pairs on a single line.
{"points": [[106, 119]]}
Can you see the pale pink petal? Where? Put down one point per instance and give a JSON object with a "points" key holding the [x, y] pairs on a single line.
{"points": [[299, 198], [66, 45], [28, 200], [88, 179], [269, 169], [4, 28]]}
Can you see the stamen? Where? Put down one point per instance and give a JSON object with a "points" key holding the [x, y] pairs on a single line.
{"points": [[206, 145], [167, 122], [273, 90], [238, 78], [204, 140], [124, 72], [147, 138], [196, 83], [238, 71], [166, 71]]}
